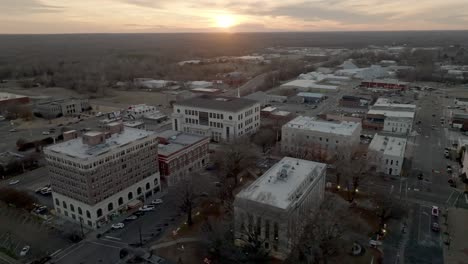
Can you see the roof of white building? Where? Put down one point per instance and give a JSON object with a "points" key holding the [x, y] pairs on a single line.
{"points": [[279, 185], [314, 95], [310, 123], [220, 103], [176, 141], [391, 146], [141, 108], [391, 113], [77, 149], [309, 84], [8, 96], [385, 102]]}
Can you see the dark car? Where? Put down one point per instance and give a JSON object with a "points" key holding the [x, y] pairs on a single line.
{"points": [[435, 227]]}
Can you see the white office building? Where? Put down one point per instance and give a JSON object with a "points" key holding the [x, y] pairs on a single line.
{"points": [[218, 117], [398, 117], [274, 206], [387, 153], [307, 137]]}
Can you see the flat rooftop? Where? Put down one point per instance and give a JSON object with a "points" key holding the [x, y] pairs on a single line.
{"points": [[309, 84], [277, 186], [387, 103], [75, 147], [8, 96], [391, 113], [392, 146], [221, 103], [313, 95], [309, 123], [177, 141]]}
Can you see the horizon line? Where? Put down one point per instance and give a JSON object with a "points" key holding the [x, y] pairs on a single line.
{"points": [[239, 32]]}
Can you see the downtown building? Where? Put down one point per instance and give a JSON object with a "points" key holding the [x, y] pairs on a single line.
{"points": [[307, 137], [102, 174], [274, 207], [181, 154], [394, 118], [217, 117], [387, 154]]}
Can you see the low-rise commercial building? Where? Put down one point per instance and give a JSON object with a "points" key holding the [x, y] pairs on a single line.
{"points": [[308, 137], [398, 118], [388, 154], [311, 98], [309, 86], [218, 117], [355, 101], [181, 154], [385, 83], [102, 174], [274, 206], [138, 111], [9, 99], [61, 107]]}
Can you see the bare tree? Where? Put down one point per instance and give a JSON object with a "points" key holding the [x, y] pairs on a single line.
{"points": [[321, 235], [186, 197], [234, 157], [264, 138], [352, 169]]}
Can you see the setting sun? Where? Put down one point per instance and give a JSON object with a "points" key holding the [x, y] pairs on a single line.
{"points": [[225, 21]]}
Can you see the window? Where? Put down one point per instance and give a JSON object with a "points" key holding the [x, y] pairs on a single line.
{"points": [[120, 201], [88, 214], [267, 229], [72, 208], [57, 202], [275, 231], [110, 207], [99, 212], [396, 162], [259, 226], [230, 117], [391, 162], [90, 223], [64, 204], [386, 161], [130, 195], [80, 211], [148, 186], [139, 190]]}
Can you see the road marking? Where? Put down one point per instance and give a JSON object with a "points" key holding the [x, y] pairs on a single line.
{"points": [[104, 245], [111, 237], [69, 252], [117, 242], [55, 253], [450, 196]]}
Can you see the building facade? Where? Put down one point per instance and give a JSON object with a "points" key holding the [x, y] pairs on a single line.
{"points": [[181, 154], [308, 137], [62, 107], [274, 206], [388, 154], [220, 118], [95, 177]]}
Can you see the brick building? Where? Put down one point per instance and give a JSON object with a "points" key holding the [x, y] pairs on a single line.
{"points": [[180, 154]]}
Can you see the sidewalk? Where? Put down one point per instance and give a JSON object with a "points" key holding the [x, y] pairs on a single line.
{"points": [[454, 239]]}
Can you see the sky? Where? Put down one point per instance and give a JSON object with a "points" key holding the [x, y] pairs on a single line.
{"points": [[138, 16]]}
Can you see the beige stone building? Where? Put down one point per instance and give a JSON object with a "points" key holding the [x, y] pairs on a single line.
{"points": [[102, 174], [274, 206]]}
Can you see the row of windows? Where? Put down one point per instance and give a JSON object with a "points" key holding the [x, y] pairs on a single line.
{"points": [[191, 121], [216, 124]]}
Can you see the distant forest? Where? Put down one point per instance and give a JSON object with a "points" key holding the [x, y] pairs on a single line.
{"points": [[91, 60]]}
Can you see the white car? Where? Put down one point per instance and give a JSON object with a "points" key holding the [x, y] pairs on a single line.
{"points": [[118, 226], [13, 182], [435, 210], [25, 251], [157, 201], [45, 133], [146, 208]]}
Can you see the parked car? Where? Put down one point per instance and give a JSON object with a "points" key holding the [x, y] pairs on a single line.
{"points": [[118, 226], [12, 130], [25, 251], [45, 133], [435, 227], [157, 201], [435, 211], [13, 182], [146, 208]]}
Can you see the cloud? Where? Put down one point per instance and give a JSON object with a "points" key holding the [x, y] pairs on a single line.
{"points": [[27, 7]]}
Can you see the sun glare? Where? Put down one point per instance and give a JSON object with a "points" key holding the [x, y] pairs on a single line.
{"points": [[225, 21]]}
